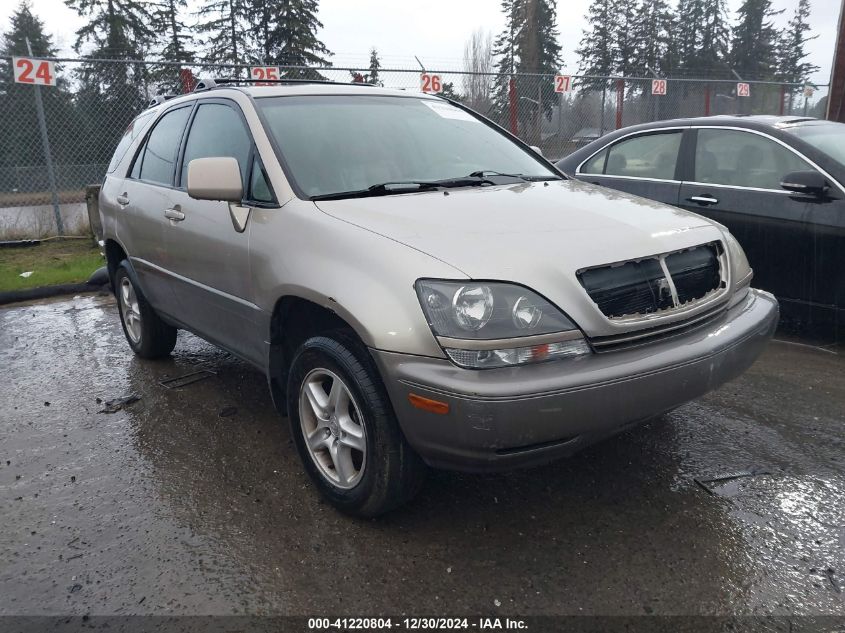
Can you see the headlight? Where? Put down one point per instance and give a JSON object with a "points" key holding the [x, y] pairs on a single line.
{"points": [[495, 324], [741, 273]]}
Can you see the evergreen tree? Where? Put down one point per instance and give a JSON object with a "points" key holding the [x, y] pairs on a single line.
{"points": [[375, 65], [527, 45], [626, 39], [655, 27], [293, 39], [793, 52], [20, 139], [596, 50], [178, 41], [227, 38], [110, 94], [754, 45], [703, 38], [504, 50]]}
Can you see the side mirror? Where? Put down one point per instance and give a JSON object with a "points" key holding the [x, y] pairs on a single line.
{"points": [[809, 183], [537, 149], [216, 178]]}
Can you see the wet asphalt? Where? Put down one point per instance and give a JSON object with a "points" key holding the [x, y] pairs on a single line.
{"points": [[191, 500]]}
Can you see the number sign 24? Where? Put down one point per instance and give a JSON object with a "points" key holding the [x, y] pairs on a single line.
{"points": [[38, 72], [431, 83]]}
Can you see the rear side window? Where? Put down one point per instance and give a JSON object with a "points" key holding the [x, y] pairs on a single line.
{"points": [[596, 164], [743, 159], [158, 158], [217, 130], [135, 128], [646, 156]]}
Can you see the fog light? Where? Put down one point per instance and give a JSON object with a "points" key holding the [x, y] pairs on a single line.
{"points": [[488, 359]]}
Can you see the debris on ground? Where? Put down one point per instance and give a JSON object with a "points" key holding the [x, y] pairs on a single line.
{"points": [[829, 572], [726, 477], [26, 274], [115, 405], [187, 379], [227, 412]]}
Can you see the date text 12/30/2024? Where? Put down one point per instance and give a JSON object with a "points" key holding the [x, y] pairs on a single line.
{"points": [[413, 624]]}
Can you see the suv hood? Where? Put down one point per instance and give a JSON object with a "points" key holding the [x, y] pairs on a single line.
{"points": [[519, 232]]}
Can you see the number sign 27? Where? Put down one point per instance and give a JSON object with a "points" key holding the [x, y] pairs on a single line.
{"points": [[563, 83], [431, 83], [38, 72]]}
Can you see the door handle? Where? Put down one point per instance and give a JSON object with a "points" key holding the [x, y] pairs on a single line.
{"points": [[705, 200], [174, 214], [122, 200]]}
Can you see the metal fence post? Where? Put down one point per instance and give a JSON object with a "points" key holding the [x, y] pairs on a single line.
{"points": [[620, 101], [512, 106], [48, 156]]}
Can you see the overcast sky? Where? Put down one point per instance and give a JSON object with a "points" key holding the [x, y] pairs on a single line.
{"points": [[435, 30]]}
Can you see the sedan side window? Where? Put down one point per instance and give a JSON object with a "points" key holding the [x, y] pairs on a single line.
{"points": [[645, 156], [157, 160], [743, 159], [217, 130], [596, 164]]}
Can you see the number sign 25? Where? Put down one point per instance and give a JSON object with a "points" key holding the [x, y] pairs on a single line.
{"points": [[431, 83], [38, 72], [264, 72]]}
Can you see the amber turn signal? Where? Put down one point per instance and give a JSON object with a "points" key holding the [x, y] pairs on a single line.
{"points": [[427, 404]]}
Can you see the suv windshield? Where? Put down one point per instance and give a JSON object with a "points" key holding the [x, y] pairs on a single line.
{"points": [[825, 137], [336, 144]]}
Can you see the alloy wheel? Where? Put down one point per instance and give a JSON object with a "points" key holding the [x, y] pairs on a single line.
{"points": [[333, 428]]}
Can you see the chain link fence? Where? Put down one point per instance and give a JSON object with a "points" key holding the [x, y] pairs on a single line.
{"points": [[88, 110]]}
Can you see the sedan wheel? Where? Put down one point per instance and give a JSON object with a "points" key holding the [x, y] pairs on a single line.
{"points": [[333, 428]]}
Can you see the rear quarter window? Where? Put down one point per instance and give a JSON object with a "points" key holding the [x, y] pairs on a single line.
{"points": [[133, 131]]}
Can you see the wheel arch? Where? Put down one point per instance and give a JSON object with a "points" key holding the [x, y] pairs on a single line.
{"points": [[294, 320], [115, 253]]}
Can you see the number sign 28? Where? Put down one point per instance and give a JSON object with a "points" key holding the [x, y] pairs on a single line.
{"points": [[658, 86], [38, 72], [431, 83], [264, 72]]}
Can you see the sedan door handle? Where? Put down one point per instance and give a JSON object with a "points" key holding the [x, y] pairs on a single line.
{"points": [[705, 200], [174, 214], [122, 200]]}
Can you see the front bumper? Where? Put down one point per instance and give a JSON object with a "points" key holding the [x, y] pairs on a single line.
{"points": [[521, 416]]}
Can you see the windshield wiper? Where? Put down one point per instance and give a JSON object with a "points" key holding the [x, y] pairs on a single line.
{"points": [[490, 172], [406, 186]]}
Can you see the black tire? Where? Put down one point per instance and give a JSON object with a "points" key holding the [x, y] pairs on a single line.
{"points": [[155, 338], [393, 473]]}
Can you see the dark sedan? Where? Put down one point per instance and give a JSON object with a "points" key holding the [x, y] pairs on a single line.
{"points": [[775, 182]]}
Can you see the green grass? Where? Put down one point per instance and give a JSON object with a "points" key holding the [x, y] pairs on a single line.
{"points": [[52, 263]]}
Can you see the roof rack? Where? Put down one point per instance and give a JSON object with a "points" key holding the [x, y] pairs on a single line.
{"points": [[159, 99], [220, 82]]}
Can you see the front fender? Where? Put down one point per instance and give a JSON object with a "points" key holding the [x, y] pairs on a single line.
{"points": [[366, 279]]}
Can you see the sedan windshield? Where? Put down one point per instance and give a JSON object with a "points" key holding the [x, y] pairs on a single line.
{"points": [[825, 137], [337, 144]]}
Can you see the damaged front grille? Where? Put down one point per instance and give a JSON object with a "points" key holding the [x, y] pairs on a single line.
{"points": [[655, 284]]}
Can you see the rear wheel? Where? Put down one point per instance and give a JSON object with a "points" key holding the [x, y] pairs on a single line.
{"points": [[345, 430], [146, 333]]}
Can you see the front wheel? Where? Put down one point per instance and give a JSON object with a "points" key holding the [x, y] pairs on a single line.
{"points": [[146, 333], [345, 430]]}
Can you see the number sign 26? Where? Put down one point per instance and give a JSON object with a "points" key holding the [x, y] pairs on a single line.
{"points": [[431, 83], [34, 71]]}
